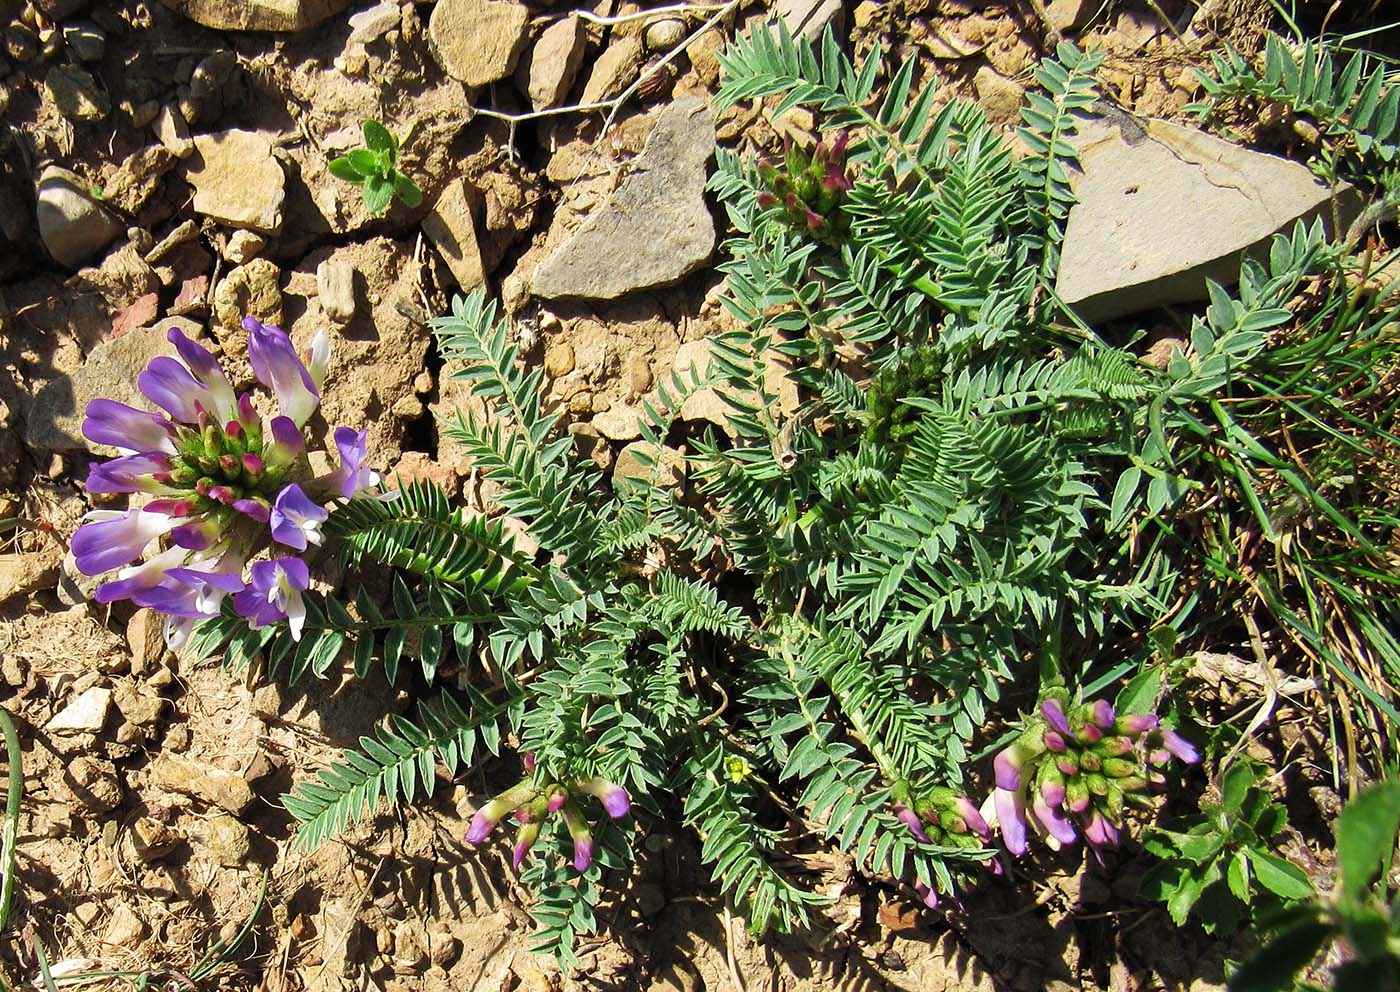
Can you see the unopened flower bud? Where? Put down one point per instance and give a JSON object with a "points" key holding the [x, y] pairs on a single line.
{"points": [[1055, 716], [910, 819], [524, 839], [1076, 795], [1101, 712], [613, 797], [494, 811], [1119, 767], [1055, 741], [583, 837], [1137, 723]]}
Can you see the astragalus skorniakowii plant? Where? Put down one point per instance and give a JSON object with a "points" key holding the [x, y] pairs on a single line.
{"points": [[969, 515]]}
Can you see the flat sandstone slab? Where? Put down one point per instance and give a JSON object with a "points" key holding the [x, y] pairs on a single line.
{"points": [[655, 229], [1163, 207]]}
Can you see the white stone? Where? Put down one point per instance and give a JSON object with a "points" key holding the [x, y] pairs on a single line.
{"points": [[87, 714]]}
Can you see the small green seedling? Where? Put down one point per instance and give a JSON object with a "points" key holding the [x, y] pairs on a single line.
{"points": [[1359, 914], [374, 168], [1218, 862]]}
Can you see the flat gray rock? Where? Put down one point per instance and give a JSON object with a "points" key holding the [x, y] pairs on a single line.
{"points": [[655, 229], [109, 372], [1162, 208]]}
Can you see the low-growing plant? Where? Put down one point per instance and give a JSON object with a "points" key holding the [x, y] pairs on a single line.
{"points": [[1220, 863], [806, 643], [1359, 915], [1348, 111], [375, 169]]}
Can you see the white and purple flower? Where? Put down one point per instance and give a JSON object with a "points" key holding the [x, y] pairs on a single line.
{"points": [[222, 485], [296, 520], [274, 593]]}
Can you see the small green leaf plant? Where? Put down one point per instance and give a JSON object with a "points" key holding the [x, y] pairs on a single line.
{"points": [[1219, 862], [374, 168], [1359, 914]]}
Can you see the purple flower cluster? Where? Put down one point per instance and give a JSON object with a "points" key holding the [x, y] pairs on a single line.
{"points": [[809, 188], [1077, 768], [221, 486], [531, 804]]}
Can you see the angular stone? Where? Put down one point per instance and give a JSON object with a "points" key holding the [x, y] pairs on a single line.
{"points": [[452, 231], [657, 220], [257, 15], [555, 61], [1161, 208], [110, 371], [236, 180], [204, 782], [87, 714], [72, 225], [136, 181], [172, 132], [477, 41], [809, 18], [76, 94], [614, 70]]}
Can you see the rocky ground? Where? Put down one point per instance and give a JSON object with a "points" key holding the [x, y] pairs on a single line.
{"points": [[166, 162]]}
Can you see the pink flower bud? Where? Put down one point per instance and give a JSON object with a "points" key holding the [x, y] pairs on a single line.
{"points": [[1007, 768], [613, 797], [910, 819], [1055, 716], [1137, 723]]}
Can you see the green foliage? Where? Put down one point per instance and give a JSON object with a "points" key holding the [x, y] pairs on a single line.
{"points": [[1357, 113], [396, 764], [374, 168], [1220, 862], [1360, 912], [965, 500]]}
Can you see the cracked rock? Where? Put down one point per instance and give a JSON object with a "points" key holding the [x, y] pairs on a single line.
{"points": [[1162, 208], [657, 219]]}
